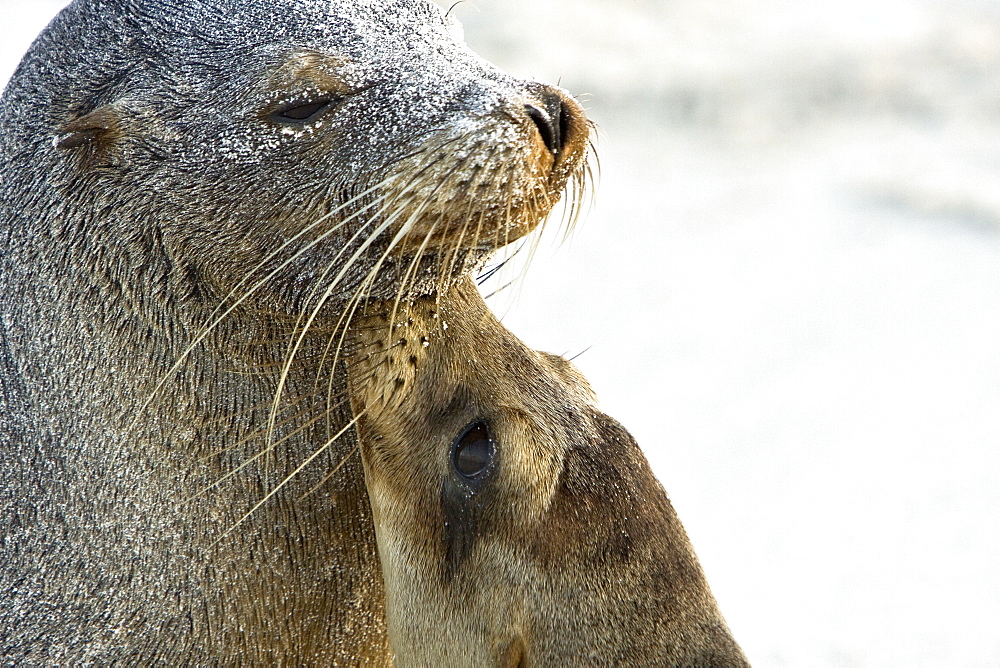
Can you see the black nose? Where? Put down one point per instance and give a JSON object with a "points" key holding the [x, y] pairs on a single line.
{"points": [[550, 118]]}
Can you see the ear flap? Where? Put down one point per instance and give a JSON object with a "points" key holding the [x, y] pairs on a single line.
{"points": [[570, 375], [99, 126]]}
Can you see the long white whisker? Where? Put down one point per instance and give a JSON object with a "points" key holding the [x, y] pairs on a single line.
{"points": [[289, 477], [322, 301], [209, 328]]}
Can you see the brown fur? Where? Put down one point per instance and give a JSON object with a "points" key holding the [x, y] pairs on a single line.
{"points": [[569, 553]]}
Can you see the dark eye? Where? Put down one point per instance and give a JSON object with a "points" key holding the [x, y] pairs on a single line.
{"points": [[302, 112], [472, 451]]}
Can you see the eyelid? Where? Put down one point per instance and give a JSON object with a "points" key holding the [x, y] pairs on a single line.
{"points": [[307, 111], [321, 101]]}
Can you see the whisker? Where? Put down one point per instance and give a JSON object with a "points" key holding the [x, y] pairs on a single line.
{"points": [[332, 472], [214, 323], [372, 237], [289, 477], [269, 447]]}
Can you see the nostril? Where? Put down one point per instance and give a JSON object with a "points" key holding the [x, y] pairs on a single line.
{"points": [[549, 121], [546, 127]]}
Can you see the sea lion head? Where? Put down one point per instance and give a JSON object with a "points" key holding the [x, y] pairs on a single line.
{"points": [[517, 524], [289, 143]]}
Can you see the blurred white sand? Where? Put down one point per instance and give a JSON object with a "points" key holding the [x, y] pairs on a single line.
{"points": [[789, 291]]}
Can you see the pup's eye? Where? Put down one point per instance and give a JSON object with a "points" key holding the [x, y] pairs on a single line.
{"points": [[473, 450], [302, 112]]}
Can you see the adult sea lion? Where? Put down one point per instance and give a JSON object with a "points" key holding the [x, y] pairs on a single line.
{"points": [[517, 524], [193, 194]]}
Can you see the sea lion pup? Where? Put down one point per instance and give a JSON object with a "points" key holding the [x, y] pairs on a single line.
{"points": [[517, 524], [192, 192]]}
